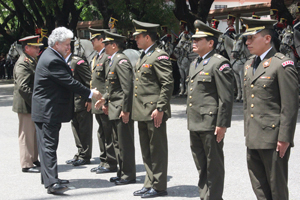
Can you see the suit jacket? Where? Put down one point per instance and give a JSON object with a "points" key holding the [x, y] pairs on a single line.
{"points": [[81, 71], [23, 79], [210, 93], [271, 101], [119, 85], [98, 78], [54, 88], [153, 85]]}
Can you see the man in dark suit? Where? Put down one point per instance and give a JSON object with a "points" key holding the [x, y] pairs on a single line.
{"points": [[270, 111], [209, 108], [53, 103]]}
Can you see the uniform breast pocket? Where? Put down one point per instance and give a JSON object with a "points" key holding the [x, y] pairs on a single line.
{"points": [[204, 79], [265, 88], [100, 71], [146, 74], [112, 78]]}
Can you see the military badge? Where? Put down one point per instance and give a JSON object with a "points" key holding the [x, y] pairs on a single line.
{"points": [[147, 65], [265, 77], [203, 73], [223, 67], [289, 62], [121, 61], [163, 58], [267, 63], [206, 61], [111, 73], [80, 62], [101, 56]]}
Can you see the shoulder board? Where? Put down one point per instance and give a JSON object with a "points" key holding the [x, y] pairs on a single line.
{"points": [[224, 66], [163, 57], [158, 50], [75, 57], [279, 55], [80, 62], [218, 56], [289, 62], [123, 60], [251, 57], [28, 60]]}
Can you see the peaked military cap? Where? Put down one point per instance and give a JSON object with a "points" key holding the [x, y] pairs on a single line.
{"points": [[254, 16], [96, 32], [182, 22], [283, 20], [112, 20], [254, 26], [113, 37], [230, 16], [273, 12], [144, 27], [202, 30], [31, 40]]}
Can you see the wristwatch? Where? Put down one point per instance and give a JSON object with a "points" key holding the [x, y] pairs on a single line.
{"points": [[159, 109]]}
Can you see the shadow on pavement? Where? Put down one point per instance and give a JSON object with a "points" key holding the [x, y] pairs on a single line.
{"points": [[189, 191]]}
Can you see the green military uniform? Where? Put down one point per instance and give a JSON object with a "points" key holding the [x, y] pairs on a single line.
{"points": [[209, 105], [82, 122], [118, 95], [270, 115], [153, 87], [24, 72], [105, 133]]}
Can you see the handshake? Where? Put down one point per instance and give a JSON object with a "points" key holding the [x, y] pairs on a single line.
{"points": [[98, 96]]}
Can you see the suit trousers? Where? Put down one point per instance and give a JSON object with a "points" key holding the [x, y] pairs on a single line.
{"points": [[106, 143], [27, 140], [82, 127], [268, 173], [47, 136], [154, 147], [124, 148], [209, 159]]}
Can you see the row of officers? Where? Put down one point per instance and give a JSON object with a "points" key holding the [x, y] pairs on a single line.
{"points": [[270, 110]]}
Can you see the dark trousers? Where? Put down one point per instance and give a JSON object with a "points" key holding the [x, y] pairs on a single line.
{"points": [[268, 173], [106, 143], [124, 148], [154, 147], [47, 140], [209, 160], [82, 127]]}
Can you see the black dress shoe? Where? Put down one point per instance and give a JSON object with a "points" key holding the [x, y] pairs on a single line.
{"points": [[63, 181], [94, 169], [125, 182], [31, 170], [141, 191], [81, 162], [101, 170], [154, 193], [71, 161], [114, 179], [57, 188], [37, 163]]}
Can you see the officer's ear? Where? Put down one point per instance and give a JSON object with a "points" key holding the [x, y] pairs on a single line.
{"points": [[268, 39]]}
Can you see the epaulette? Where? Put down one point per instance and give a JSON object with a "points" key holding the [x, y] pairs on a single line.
{"points": [[123, 60], [158, 50], [28, 60], [163, 57], [75, 57], [222, 67], [218, 56], [279, 55], [251, 57]]}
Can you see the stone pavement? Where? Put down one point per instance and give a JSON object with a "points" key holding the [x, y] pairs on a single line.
{"points": [[182, 173]]}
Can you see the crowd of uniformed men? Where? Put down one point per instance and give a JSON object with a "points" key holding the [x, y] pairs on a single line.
{"points": [[121, 94]]}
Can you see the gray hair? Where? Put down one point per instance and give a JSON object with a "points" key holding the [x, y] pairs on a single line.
{"points": [[59, 34]]}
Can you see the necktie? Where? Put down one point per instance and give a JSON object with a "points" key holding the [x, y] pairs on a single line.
{"points": [[198, 61], [142, 55], [256, 63]]}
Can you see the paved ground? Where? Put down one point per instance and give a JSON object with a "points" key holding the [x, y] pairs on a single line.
{"points": [[182, 173]]}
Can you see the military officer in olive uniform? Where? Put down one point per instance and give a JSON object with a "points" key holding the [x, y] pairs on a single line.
{"points": [[270, 111], [209, 109], [153, 87], [82, 122], [118, 96], [108, 161], [24, 71]]}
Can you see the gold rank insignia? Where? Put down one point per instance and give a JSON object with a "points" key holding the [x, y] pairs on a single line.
{"points": [[267, 63]]}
